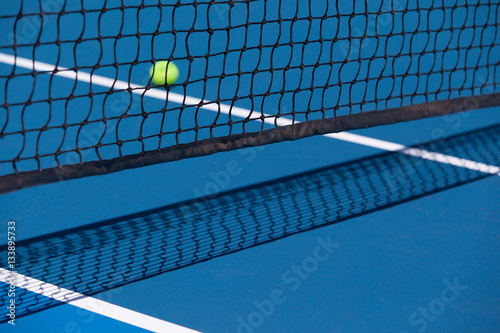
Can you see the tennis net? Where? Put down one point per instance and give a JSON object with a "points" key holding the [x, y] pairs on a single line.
{"points": [[78, 100], [98, 257]]}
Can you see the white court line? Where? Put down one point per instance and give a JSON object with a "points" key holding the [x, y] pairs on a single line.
{"points": [[421, 153], [239, 112], [92, 304]]}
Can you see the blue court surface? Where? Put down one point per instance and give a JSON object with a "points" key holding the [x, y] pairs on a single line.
{"points": [[424, 265]]}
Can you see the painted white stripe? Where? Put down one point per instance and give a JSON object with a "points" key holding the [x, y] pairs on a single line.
{"points": [[239, 112], [366, 141], [92, 304], [452, 160], [122, 85]]}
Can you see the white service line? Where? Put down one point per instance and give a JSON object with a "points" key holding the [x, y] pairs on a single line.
{"points": [[452, 160], [92, 304], [239, 112]]}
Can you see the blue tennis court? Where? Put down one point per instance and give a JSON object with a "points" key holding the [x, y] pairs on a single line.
{"points": [[257, 247]]}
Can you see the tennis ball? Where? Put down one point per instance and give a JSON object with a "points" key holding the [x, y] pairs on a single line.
{"points": [[162, 70]]}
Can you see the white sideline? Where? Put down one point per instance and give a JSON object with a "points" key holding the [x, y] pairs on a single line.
{"points": [[239, 112], [92, 304]]}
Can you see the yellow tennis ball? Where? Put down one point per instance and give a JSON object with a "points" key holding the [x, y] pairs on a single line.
{"points": [[162, 70]]}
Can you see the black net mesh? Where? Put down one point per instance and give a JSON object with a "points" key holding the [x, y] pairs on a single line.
{"points": [[112, 253], [87, 105]]}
